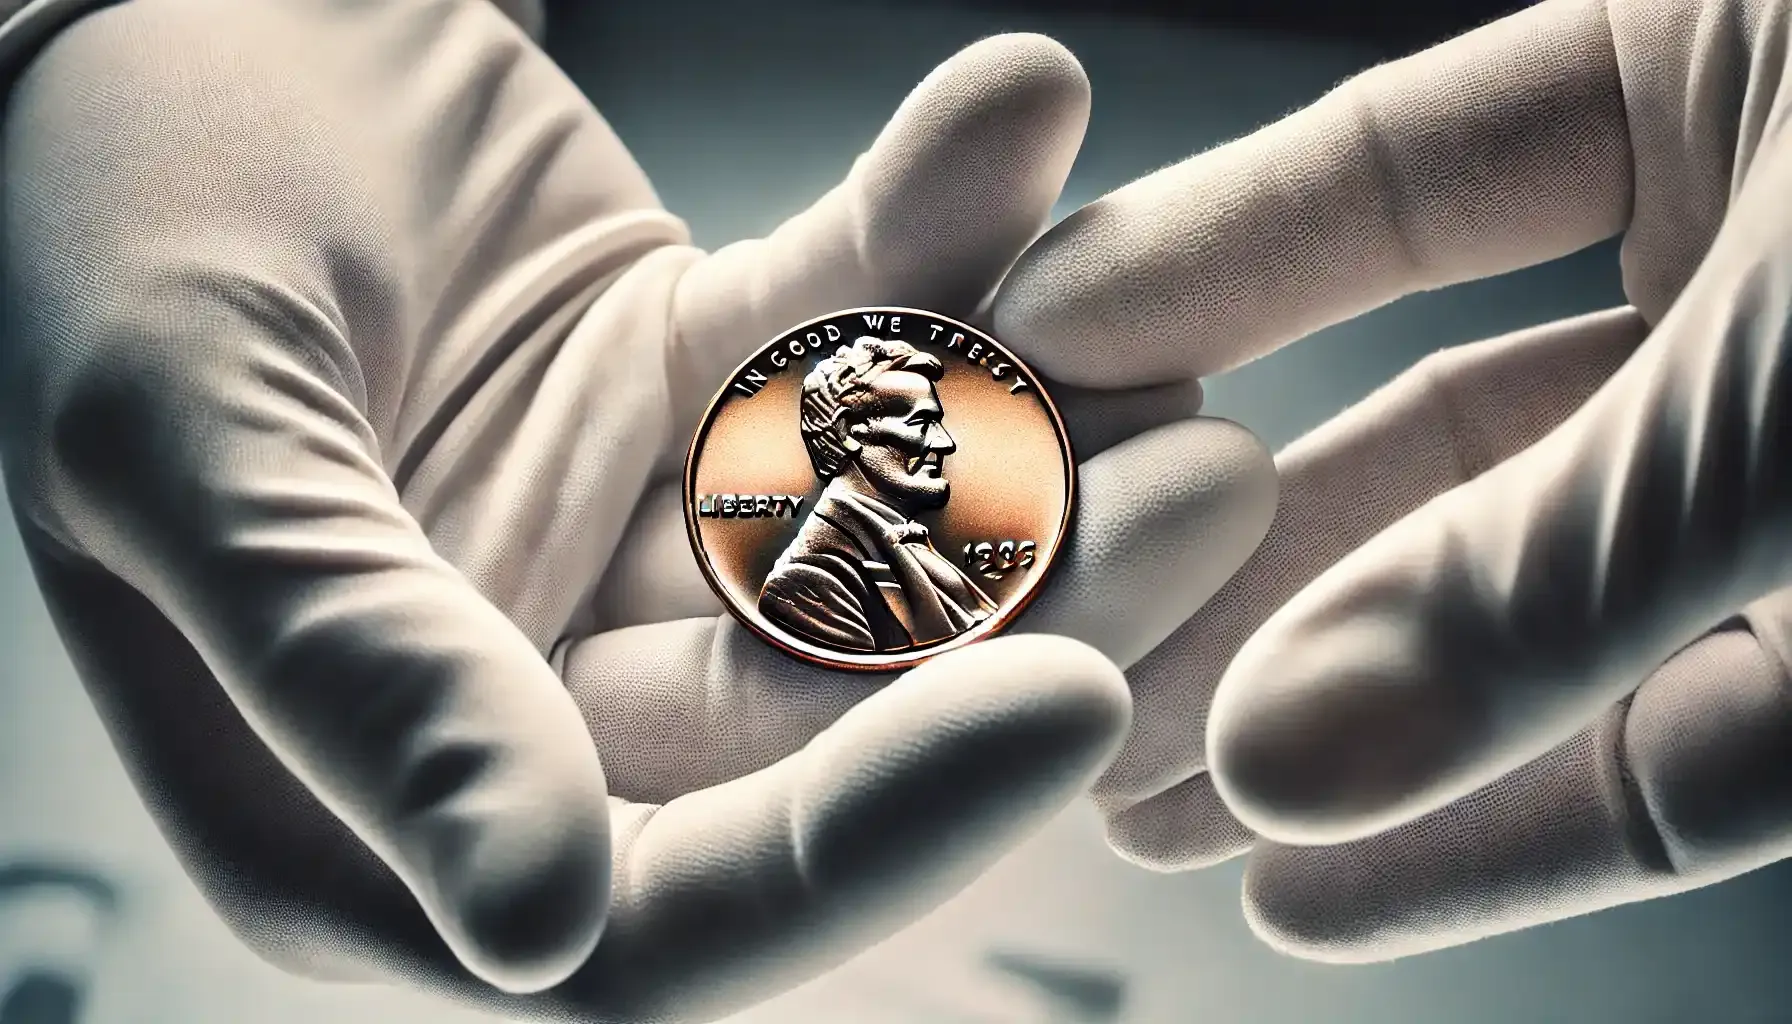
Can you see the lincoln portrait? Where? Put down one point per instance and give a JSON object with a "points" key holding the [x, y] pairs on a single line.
{"points": [[861, 574]]}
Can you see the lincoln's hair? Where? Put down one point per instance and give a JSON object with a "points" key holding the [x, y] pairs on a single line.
{"points": [[840, 386]]}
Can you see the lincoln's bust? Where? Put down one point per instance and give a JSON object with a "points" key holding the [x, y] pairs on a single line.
{"points": [[861, 574]]}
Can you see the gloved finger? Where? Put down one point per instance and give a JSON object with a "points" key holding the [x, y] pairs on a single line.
{"points": [[1495, 622], [184, 439], [1180, 829], [1448, 419], [1498, 149], [653, 578], [1161, 521], [728, 895], [931, 216], [1683, 785]]}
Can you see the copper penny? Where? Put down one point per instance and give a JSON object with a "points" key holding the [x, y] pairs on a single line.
{"points": [[877, 486]]}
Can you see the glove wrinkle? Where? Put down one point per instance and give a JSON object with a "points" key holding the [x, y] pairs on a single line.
{"points": [[1702, 84]]}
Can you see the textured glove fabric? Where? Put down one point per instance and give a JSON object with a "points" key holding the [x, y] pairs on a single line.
{"points": [[348, 359], [1470, 681]]}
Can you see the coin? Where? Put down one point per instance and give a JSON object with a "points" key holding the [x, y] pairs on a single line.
{"points": [[877, 486]]}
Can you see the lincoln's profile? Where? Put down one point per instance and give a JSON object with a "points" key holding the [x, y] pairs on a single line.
{"points": [[861, 574]]}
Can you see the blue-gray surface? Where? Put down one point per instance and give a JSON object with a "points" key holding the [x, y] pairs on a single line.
{"points": [[741, 118]]}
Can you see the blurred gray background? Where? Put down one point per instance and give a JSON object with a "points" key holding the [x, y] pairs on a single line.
{"points": [[742, 114]]}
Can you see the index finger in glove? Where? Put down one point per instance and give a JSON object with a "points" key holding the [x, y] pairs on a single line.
{"points": [[1450, 418], [1498, 620], [1683, 785], [1502, 148]]}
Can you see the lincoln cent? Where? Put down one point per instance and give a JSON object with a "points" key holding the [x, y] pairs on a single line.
{"points": [[877, 486]]}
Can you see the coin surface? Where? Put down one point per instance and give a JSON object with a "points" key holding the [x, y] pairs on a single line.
{"points": [[877, 486]]}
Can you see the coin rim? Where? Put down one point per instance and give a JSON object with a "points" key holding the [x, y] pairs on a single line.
{"points": [[989, 627]]}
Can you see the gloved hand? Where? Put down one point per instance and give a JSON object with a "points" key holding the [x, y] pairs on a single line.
{"points": [[1528, 654], [349, 363]]}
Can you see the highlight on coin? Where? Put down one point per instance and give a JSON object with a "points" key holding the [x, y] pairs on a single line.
{"points": [[877, 486]]}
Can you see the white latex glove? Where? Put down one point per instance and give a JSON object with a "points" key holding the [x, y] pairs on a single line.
{"points": [[349, 363], [1493, 682]]}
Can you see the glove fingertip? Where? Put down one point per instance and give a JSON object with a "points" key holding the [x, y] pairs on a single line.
{"points": [[1061, 697], [1068, 682], [969, 752], [1294, 922], [1023, 65], [523, 911], [1183, 828]]}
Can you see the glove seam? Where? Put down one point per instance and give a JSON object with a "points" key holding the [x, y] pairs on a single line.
{"points": [[1638, 829]]}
